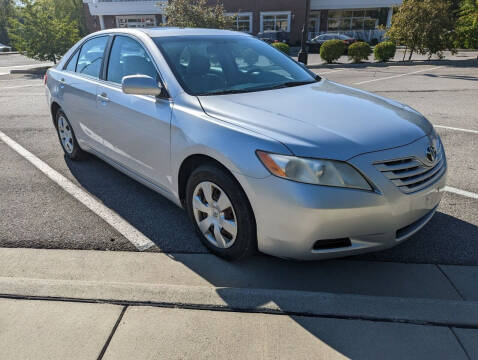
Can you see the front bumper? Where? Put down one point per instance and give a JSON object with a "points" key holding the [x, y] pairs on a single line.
{"points": [[292, 217]]}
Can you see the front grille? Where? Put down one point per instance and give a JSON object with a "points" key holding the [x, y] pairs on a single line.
{"points": [[410, 174]]}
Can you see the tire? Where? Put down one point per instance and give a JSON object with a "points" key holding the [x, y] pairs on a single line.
{"points": [[220, 217], [67, 137]]}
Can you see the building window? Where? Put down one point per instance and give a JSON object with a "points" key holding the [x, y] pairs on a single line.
{"points": [[136, 21], [353, 19], [241, 21], [275, 21], [314, 21]]}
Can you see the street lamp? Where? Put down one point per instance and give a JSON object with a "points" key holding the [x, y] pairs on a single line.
{"points": [[303, 44]]}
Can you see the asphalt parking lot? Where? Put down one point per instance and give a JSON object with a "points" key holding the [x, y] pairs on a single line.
{"points": [[36, 213]]}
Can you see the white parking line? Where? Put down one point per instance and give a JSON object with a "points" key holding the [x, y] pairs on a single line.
{"points": [[461, 192], [20, 86], [396, 76], [456, 129], [25, 66], [330, 72], [122, 226]]}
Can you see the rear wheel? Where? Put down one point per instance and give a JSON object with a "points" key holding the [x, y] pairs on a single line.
{"points": [[220, 212], [67, 137]]}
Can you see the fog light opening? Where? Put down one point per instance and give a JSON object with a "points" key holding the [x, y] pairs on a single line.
{"points": [[332, 244]]}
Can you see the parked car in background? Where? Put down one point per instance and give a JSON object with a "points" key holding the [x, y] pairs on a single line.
{"points": [[270, 36], [260, 151], [5, 48], [316, 42]]}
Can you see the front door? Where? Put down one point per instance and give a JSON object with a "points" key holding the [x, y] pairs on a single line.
{"points": [[135, 128]]}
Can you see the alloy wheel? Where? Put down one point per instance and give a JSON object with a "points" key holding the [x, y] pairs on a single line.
{"points": [[66, 134], [214, 214]]}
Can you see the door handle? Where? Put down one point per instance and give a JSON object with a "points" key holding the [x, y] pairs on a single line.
{"points": [[103, 97], [62, 83]]}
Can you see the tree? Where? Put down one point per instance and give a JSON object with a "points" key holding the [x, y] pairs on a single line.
{"points": [[467, 24], [423, 26], [196, 13], [39, 34], [73, 10], [7, 11]]}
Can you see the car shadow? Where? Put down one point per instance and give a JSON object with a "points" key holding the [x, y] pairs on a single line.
{"points": [[169, 228], [156, 217], [453, 77]]}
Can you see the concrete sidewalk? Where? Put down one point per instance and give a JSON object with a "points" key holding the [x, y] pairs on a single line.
{"points": [[83, 304], [34, 329]]}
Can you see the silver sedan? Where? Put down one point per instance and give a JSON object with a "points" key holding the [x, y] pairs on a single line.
{"points": [[262, 153]]}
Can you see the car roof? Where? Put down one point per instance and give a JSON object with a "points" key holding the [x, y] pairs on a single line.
{"points": [[174, 31]]}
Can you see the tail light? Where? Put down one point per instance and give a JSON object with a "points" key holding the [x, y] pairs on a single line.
{"points": [[45, 78]]}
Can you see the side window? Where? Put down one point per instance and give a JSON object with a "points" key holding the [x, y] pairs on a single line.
{"points": [[71, 66], [128, 57], [91, 55]]}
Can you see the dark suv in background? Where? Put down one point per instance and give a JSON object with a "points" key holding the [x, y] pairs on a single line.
{"points": [[316, 42], [271, 36]]}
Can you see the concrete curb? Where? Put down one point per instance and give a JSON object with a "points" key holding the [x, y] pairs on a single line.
{"points": [[464, 62], [40, 70], [9, 53], [391, 309]]}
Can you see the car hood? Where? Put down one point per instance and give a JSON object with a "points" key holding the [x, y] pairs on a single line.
{"points": [[323, 119]]}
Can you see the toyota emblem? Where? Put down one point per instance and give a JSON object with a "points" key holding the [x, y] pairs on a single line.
{"points": [[431, 153]]}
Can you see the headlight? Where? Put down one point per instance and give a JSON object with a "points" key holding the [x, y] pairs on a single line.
{"points": [[313, 171]]}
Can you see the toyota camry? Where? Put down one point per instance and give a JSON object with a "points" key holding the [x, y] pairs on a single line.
{"points": [[261, 152]]}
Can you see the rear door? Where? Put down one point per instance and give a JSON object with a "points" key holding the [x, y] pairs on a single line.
{"points": [[79, 82], [135, 128]]}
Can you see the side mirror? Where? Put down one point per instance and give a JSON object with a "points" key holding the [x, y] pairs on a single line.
{"points": [[140, 85]]}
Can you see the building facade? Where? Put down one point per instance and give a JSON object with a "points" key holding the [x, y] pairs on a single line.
{"points": [[363, 19]]}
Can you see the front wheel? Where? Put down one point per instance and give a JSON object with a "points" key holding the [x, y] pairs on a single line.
{"points": [[220, 212]]}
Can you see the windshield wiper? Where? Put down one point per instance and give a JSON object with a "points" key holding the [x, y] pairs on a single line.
{"points": [[291, 84], [224, 92], [278, 86]]}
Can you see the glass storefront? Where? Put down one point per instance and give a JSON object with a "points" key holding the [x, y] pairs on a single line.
{"points": [[362, 19], [136, 21]]}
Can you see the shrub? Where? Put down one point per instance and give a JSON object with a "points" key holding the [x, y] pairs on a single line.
{"points": [[332, 50], [282, 47], [359, 51], [384, 51]]}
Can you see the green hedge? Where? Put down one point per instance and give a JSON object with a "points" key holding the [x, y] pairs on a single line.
{"points": [[282, 47], [332, 50], [384, 51], [359, 51]]}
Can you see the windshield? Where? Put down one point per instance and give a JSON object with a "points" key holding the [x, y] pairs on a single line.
{"points": [[212, 65]]}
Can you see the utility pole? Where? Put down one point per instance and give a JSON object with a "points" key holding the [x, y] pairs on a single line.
{"points": [[305, 29]]}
